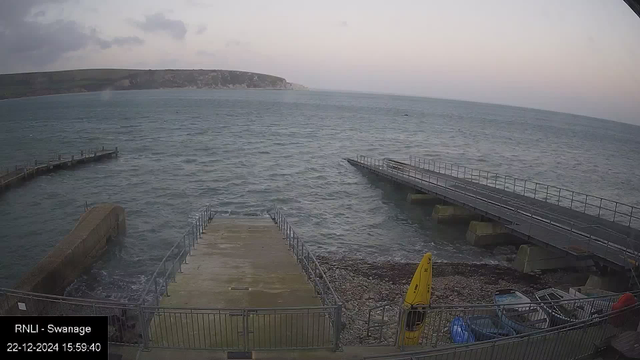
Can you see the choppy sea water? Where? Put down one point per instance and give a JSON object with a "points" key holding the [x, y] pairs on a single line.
{"points": [[246, 151]]}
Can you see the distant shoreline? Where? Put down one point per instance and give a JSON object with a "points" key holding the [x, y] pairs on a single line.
{"points": [[36, 84]]}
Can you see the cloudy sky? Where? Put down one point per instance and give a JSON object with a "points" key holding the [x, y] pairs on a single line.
{"points": [[573, 56]]}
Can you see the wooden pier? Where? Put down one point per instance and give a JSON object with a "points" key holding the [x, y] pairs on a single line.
{"points": [[18, 174]]}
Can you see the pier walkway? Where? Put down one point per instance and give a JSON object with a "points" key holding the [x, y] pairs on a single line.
{"points": [[580, 229], [20, 173], [242, 289]]}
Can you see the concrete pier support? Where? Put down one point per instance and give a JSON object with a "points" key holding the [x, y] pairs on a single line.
{"points": [[452, 214], [488, 233], [423, 199], [616, 283], [531, 257]]}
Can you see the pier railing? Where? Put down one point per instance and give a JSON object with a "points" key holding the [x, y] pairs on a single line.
{"points": [[600, 207], [572, 340], [171, 264], [53, 157], [146, 324], [390, 321], [307, 260], [614, 243], [125, 321]]}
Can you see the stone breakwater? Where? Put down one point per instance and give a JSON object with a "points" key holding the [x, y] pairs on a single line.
{"points": [[362, 284]]}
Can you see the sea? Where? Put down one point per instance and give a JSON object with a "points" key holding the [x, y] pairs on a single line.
{"points": [[246, 151]]}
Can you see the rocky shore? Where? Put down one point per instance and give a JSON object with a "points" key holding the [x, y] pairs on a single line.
{"points": [[361, 285]]}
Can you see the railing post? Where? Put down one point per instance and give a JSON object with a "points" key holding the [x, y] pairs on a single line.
{"points": [[143, 324], [155, 294], [193, 236], [184, 246], [297, 248], [401, 324], [245, 328], [586, 200], [572, 193], [615, 210], [337, 325], [631, 215]]}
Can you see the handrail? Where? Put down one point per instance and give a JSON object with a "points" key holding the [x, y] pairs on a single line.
{"points": [[189, 240], [65, 299], [616, 209], [303, 254], [558, 329], [446, 184], [52, 158]]}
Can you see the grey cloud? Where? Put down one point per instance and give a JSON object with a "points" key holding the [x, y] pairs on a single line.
{"points": [[236, 43], [38, 44], [30, 45], [159, 23], [198, 4], [127, 41], [343, 24], [118, 41], [201, 29], [205, 53]]}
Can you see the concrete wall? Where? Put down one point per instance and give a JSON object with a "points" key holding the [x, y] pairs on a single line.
{"points": [[452, 214], [423, 199], [78, 250], [488, 233], [531, 258]]}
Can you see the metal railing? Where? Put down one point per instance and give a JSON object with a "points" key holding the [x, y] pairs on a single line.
{"points": [[175, 257], [614, 243], [307, 260], [600, 207], [126, 322], [241, 329], [52, 158], [148, 325], [435, 320], [382, 321], [314, 272], [570, 341]]}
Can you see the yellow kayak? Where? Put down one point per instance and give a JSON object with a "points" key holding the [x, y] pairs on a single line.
{"points": [[419, 293]]}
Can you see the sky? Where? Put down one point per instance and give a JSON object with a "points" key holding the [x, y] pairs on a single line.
{"points": [[576, 56]]}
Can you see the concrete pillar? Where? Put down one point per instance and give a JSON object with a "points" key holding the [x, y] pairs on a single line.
{"points": [[452, 213], [488, 233], [422, 199], [531, 257], [616, 283]]}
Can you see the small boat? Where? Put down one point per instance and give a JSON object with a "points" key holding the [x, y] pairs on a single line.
{"points": [[460, 333], [518, 313], [417, 298], [560, 312], [487, 327], [599, 301]]}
